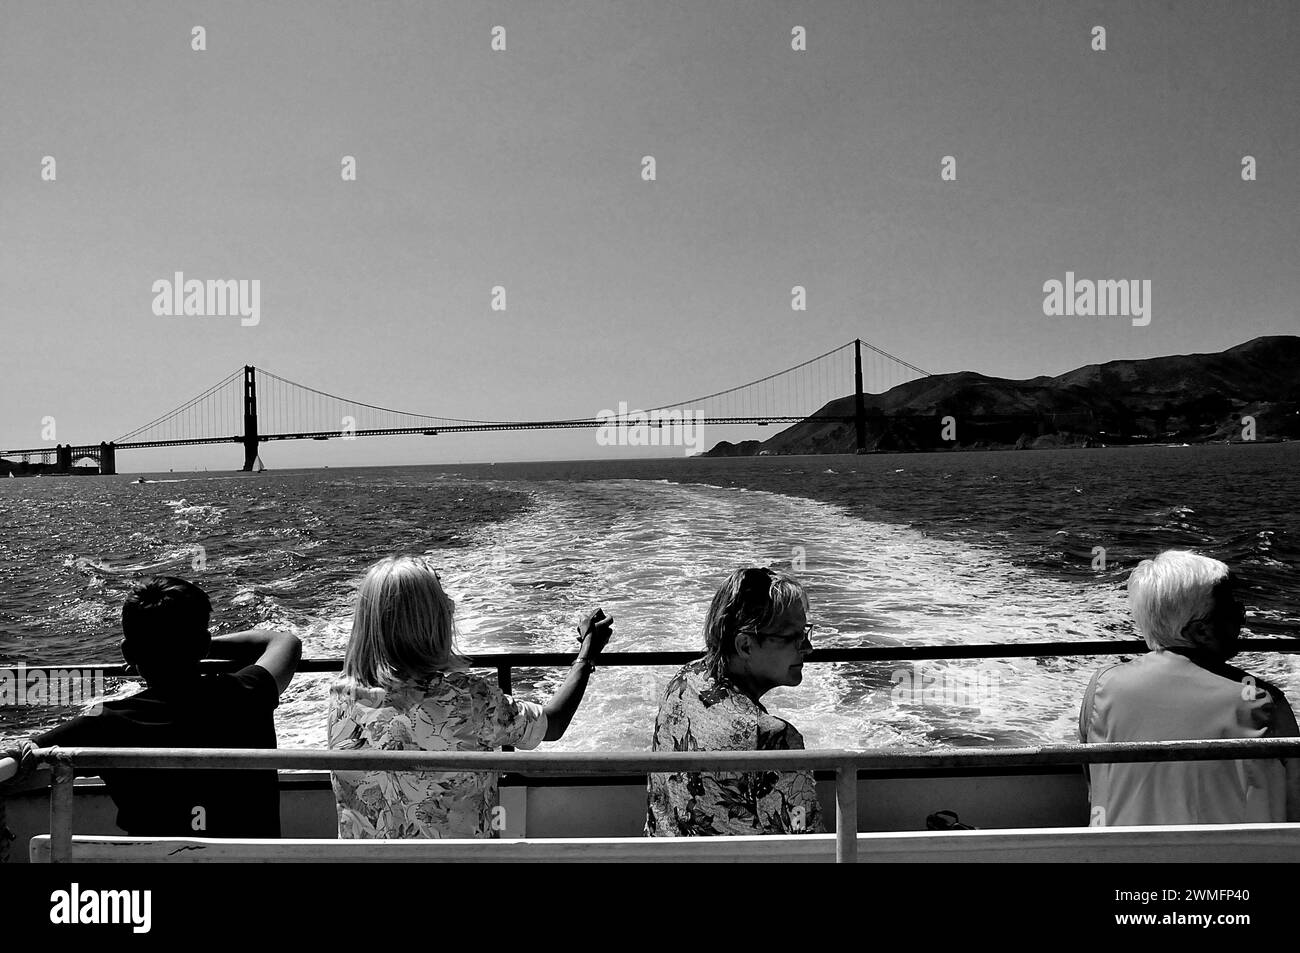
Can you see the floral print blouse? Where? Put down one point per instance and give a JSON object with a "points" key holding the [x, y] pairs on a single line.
{"points": [[455, 711], [701, 714]]}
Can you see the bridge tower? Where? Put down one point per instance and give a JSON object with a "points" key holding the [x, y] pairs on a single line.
{"points": [[63, 458], [107, 459], [250, 417], [859, 405]]}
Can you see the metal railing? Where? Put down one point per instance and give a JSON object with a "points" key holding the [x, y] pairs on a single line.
{"points": [[846, 764], [66, 762], [506, 662]]}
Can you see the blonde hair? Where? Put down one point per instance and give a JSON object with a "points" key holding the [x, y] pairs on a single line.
{"points": [[1168, 593], [403, 629]]}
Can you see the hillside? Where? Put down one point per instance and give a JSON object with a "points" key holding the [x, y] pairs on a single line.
{"points": [[1186, 398]]}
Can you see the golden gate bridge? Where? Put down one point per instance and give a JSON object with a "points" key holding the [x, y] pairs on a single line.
{"points": [[252, 406]]}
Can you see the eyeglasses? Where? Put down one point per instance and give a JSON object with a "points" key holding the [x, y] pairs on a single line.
{"points": [[806, 634]]}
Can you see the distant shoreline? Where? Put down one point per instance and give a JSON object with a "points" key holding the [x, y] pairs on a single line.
{"points": [[1000, 448]]}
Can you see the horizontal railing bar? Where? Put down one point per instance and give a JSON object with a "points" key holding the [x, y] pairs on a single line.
{"points": [[873, 653], [638, 762], [39, 780]]}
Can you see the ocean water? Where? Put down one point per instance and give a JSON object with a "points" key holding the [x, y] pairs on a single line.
{"points": [[895, 549]]}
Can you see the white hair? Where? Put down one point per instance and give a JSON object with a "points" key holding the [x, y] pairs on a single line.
{"points": [[1168, 592]]}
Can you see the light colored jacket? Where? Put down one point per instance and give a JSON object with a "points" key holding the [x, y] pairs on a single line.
{"points": [[1164, 696]]}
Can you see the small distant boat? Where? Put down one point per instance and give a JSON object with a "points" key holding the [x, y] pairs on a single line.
{"points": [[259, 466]]}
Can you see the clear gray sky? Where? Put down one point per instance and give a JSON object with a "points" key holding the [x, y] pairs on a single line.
{"points": [[522, 169]]}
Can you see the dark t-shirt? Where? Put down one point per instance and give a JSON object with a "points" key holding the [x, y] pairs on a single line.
{"points": [[217, 711]]}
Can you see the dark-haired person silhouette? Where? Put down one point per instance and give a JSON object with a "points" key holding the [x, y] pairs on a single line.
{"points": [[165, 624]]}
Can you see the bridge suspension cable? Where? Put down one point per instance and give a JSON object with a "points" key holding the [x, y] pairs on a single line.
{"points": [[896, 360], [753, 383], [189, 408], [296, 402]]}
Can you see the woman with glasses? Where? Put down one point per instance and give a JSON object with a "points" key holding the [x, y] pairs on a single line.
{"points": [[756, 638], [405, 687]]}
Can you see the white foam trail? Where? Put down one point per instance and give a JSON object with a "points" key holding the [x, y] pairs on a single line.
{"points": [[652, 555]]}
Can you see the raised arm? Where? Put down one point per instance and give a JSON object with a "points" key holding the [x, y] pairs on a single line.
{"points": [[595, 632], [275, 650]]}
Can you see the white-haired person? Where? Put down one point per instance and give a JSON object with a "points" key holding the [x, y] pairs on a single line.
{"points": [[1184, 605], [404, 686], [756, 638]]}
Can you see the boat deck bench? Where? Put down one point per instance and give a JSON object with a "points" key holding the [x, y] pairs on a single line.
{"points": [[1220, 843]]}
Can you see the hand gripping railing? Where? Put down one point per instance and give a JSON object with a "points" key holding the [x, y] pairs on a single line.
{"points": [[66, 762]]}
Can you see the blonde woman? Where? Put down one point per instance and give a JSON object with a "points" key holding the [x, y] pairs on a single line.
{"points": [[405, 687]]}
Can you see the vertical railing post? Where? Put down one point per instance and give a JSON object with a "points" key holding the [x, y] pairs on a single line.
{"points": [[504, 683], [846, 812], [61, 811]]}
